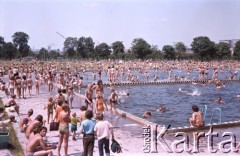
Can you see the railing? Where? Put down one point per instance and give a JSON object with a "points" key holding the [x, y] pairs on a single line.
{"points": [[220, 114], [204, 110]]}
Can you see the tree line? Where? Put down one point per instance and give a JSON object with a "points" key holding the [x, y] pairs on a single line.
{"points": [[84, 48]]}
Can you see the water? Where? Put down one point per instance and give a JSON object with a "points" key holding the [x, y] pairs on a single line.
{"points": [[179, 99]]}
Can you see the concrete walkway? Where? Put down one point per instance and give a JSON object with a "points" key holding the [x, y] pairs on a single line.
{"points": [[124, 129]]}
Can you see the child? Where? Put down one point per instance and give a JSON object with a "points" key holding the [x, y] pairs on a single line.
{"points": [[49, 107], [100, 102], [74, 121]]}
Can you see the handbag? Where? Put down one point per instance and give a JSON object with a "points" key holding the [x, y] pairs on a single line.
{"points": [[115, 147], [54, 126]]}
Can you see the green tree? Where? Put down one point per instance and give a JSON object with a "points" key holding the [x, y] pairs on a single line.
{"points": [[180, 48], [140, 48], [2, 42], [20, 40], [223, 50], [53, 54], [118, 47], [42, 54], [236, 50], [203, 47], [103, 50], [85, 47], [70, 46], [9, 51], [169, 52]]}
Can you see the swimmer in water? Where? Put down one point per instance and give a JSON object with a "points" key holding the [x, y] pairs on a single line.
{"points": [[219, 100], [182, 91], [147, 114], [123, 93], [162, 108]]}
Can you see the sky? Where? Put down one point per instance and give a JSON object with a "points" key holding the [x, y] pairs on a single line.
{"points": [[159, 22]]}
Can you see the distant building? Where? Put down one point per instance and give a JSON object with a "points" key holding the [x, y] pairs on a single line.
{"points": [[231, 43], [28, 58]]}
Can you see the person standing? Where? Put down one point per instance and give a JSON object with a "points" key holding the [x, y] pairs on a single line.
{"points": [[113, 100], [87, 129], [50, 81], [89, 96], [103, 130], [64, 128]]}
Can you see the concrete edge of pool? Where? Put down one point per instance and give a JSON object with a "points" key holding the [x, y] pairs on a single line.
{"points": [[178, 129]]}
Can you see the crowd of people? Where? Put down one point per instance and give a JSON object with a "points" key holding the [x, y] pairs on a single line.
{"points": [[24, 76]]}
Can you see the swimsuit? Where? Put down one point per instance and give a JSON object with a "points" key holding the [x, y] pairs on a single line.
{"points": [[86, 101], [100, 106], [50, 111], [63, 128], [115, 102]]}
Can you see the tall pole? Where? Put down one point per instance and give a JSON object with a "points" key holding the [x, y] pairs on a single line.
{"points": [[63, 38]]}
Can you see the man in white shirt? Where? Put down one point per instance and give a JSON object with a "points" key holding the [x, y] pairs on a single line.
{"points": [[103, 129]]}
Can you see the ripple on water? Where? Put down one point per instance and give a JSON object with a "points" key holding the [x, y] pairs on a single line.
{"points": [[145, 98]]}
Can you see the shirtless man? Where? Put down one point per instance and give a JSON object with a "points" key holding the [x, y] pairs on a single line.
{"points": [[197, 119], [113, 100], [35, 123], [36, 141], [64, 128], [89, 96], [12, 103], [25, 120]]}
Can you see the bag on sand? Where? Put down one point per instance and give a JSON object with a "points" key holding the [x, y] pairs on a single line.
{"points": [[115, 147], [54, 126]]}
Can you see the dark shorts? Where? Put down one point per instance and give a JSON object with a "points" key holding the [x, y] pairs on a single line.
{"points": [[73, 128], [86, 101], [115, 102]]}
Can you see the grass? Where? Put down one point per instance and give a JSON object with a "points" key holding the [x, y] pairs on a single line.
{"points": [[14, 144]]}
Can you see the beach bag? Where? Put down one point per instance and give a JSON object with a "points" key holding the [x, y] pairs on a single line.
{"points": [[54, 126], [115, 147]]}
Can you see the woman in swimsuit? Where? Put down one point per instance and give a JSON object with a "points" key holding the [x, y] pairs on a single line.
{"points": [[100, 103]]}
